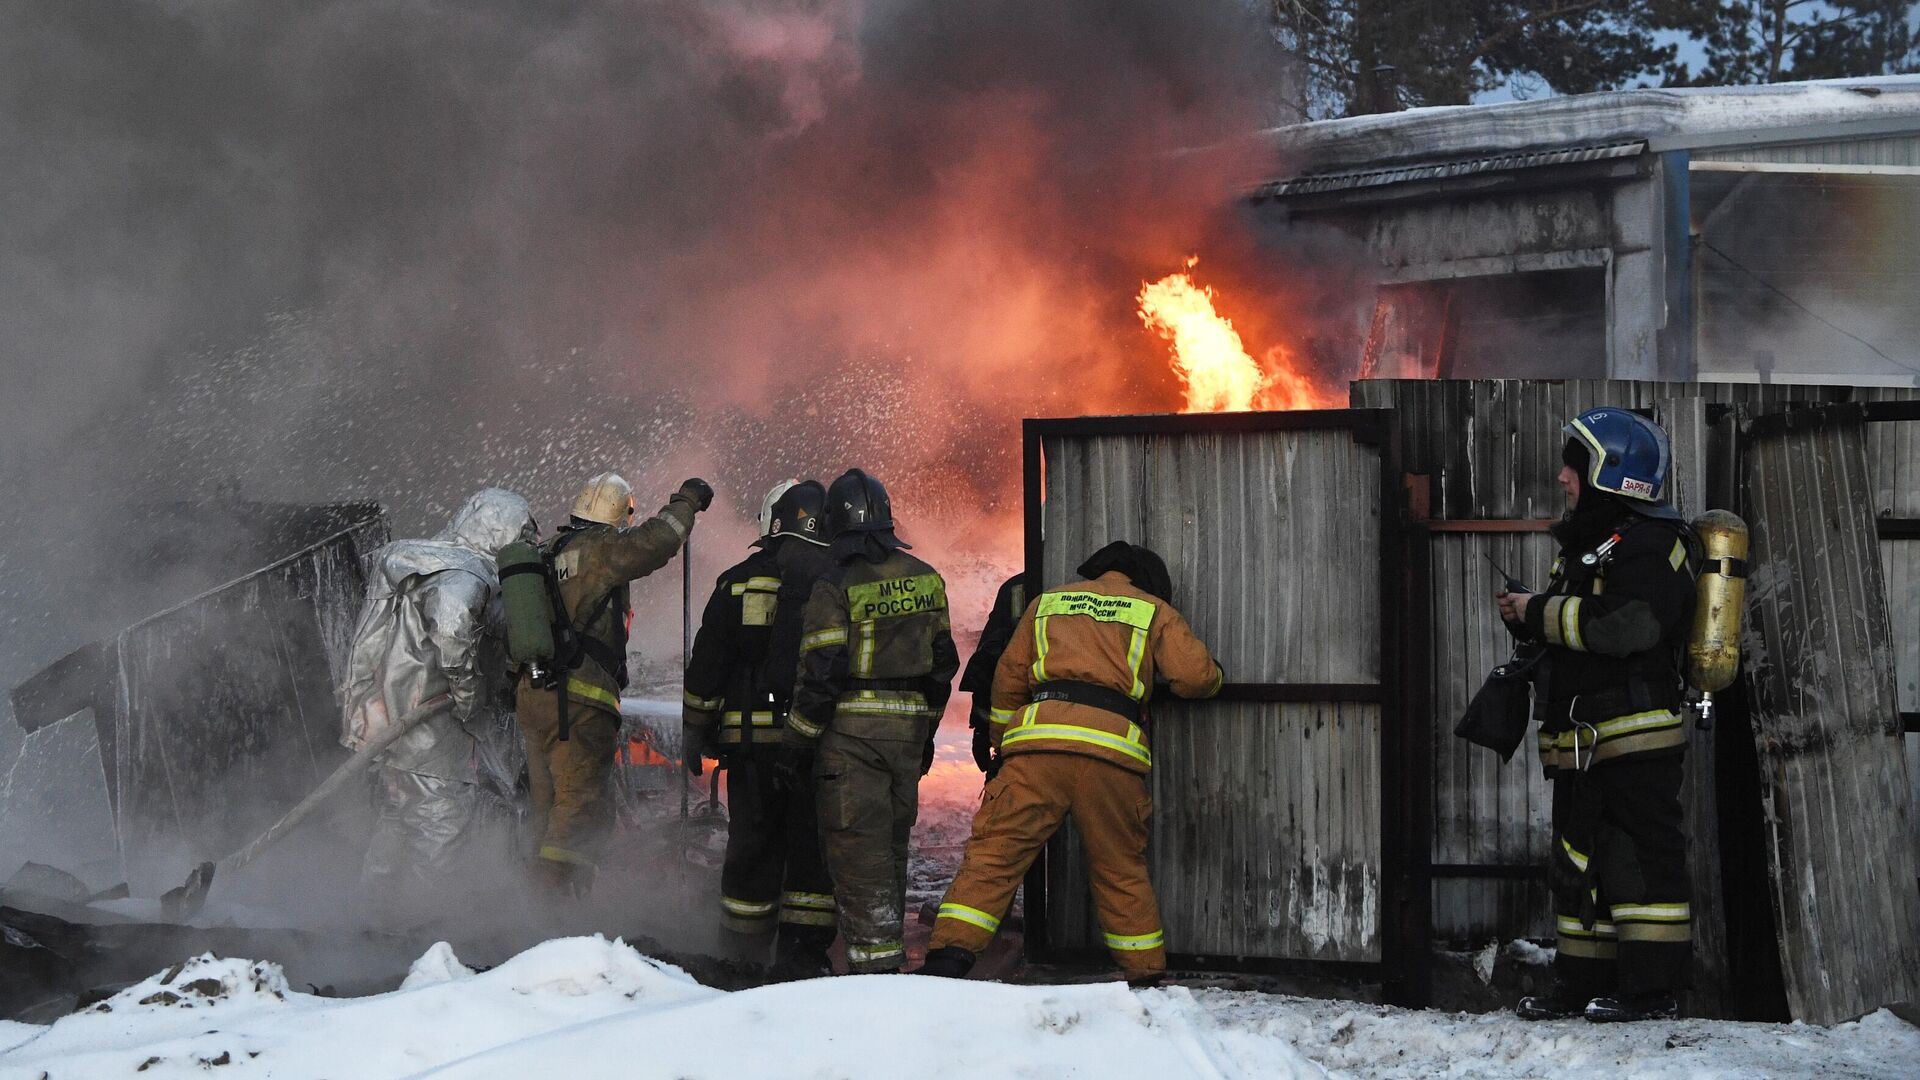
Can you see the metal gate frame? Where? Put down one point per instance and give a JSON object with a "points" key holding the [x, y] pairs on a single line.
{"points": [[1405, 933]]}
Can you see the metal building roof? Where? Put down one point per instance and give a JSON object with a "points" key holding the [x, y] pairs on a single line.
{"points": [[1664, 119], [1319, 183]]}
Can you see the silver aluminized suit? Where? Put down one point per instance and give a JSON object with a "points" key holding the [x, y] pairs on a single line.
{"points": [[429, 602]]}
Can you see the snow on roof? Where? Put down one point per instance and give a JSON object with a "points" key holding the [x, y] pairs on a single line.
{"points": [[1668, 118]]}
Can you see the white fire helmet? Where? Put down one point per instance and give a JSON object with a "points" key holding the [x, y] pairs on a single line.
{"points": [[607, 499], [766, 506]]}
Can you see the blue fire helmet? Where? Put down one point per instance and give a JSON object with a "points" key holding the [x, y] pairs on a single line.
{"points": [[1627, 454]]}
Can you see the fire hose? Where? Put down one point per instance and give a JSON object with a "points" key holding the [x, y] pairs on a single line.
{"points": [[185, 901]]}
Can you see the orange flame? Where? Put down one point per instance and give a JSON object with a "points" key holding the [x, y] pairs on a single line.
{"points": [[1213, 364]]}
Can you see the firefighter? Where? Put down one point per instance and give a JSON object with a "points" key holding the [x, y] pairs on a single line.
{"points": [[877, 662], [1614, 620], [1068, 717], [428, 606], [977, 679], [739, 683], [571, 729]]}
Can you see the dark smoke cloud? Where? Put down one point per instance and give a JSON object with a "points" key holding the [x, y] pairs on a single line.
{"points": [[394, 250]]}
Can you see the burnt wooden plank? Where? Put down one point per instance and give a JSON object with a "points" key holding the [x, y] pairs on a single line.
{"points": [[1826, 728]]}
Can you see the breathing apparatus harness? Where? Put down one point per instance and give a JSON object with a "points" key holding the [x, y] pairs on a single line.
{"points": [[541, 634]]}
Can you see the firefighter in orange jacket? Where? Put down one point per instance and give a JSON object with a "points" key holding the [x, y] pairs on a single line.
{"points": [[1068, 718]]}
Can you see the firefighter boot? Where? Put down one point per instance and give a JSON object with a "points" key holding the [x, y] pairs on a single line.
{"points": [[948, 962], [1627, 1008], [800, 952], [1558, 1005]]}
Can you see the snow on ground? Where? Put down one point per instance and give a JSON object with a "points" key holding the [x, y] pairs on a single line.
{"points": [[1351, 1039], [586, 1007]]}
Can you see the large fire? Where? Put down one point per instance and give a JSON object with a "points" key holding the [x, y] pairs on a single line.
{"points": [[1213, 364]]}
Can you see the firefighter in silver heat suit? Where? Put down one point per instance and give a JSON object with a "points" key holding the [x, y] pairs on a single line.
{"points": [[429, 603]]}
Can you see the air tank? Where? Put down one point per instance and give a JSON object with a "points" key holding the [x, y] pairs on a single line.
{"points": [[1713, 649]]}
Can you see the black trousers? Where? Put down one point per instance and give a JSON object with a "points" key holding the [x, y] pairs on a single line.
{"points": [[1621, 887], [774, 874]]}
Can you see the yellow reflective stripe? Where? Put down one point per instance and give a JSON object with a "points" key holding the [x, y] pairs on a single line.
{"points": [[694, 701], [1570, 625], [894, 597], [883, 708], [1653, 931], [758, 584], [1579, 860], [799, 723], [594, 693], [1136, 652], [1570, 926], [1588, 948], [1219, 680], [1076, 733], [1550, 619], [746, 908], [1678, 556], [808, 917], [1040, 648], [818, 901], [1136, 942], [1097, 606], [1000, 716], [1643, 721], [1668, 913], [965, 914], [863, 655], [560, 854], [1665, 738], [760, 719], [883, 950], [820, 639]]}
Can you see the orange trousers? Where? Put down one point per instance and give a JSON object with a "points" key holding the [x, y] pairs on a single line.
{"points": [[1023, 806]]}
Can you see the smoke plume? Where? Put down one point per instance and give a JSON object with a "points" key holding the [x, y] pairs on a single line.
{"points": [[396, 250]]}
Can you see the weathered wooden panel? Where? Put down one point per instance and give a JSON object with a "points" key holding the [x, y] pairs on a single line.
{"points": [[1492, 449], [1485, 812], [1266, 839], [1826, 726], [1893, 464], [1271, 538], [1492, 446]]}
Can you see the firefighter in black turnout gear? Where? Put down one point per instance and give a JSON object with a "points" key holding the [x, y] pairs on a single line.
{"points": [[877, 662], [1613, 623], [1008, 605], [739, 682]]}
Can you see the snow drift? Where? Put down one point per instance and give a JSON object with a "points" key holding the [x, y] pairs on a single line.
{"points": [[588, 1007]]}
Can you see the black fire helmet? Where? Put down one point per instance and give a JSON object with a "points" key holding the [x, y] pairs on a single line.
{"points": [[858, 503], [1142, 566], [800, 511]]}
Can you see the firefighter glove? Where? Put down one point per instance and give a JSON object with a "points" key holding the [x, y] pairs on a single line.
{"points": [[926, 757], [693, 747], [983, 749], [699, 491]]}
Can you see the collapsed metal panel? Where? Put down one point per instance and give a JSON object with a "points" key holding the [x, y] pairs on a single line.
{"points": [[216, 715], [1827, 725], [1267, 839]]}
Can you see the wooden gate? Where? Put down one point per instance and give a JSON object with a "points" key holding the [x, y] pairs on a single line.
{"points": [[1277, 839]]}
